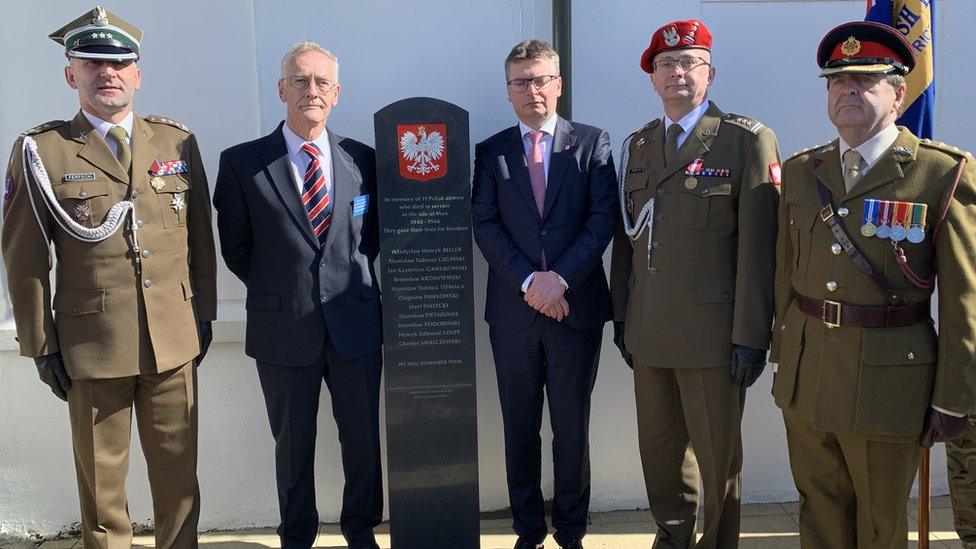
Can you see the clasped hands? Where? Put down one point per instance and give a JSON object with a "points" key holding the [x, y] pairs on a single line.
{"points": [[545, 294]]}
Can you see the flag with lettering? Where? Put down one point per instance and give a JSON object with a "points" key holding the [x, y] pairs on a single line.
{"points": [[915, 20]]}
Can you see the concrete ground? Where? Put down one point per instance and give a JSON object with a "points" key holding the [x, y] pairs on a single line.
{"points": [[766, 526]]}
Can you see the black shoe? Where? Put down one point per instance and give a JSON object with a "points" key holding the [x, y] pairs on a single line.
{"points": [[526, 544]]}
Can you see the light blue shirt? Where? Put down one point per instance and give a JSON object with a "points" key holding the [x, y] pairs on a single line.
{"points": [[687, 122]]}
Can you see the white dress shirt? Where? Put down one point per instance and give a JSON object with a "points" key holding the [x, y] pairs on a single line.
{"points": [[687, 122], [872, 149], [103, 126], [299, 161]]}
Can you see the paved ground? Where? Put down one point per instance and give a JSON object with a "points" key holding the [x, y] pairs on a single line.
{"points": [[766, 526]]}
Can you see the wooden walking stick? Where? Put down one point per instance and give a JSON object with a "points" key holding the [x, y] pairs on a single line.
{"points": [[924, 497]]}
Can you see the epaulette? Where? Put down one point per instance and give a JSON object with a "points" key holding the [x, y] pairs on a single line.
{"points": [[808, 149], [649, 126], [45, 127], [946, 148], [169, 122], [745, 122]]}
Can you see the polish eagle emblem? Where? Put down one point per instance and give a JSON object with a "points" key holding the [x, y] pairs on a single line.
{"points": [[671, 36], [422, 151]]}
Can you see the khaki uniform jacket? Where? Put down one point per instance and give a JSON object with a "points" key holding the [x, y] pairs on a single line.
{"points": [[112, 315], [876, 382], [707, 281]]}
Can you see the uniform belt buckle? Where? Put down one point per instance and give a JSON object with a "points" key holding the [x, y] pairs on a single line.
{"points": [[831, 314], [827, 212]]}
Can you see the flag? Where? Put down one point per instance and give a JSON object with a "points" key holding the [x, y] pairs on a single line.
{"points": [[915, 20]]}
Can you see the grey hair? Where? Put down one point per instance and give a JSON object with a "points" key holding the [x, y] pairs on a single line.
{"points": [[303, 46], [895, 80], [531, 50]]}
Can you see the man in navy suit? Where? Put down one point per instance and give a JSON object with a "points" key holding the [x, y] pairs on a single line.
{"points": [[298, 226], [544, 204]]}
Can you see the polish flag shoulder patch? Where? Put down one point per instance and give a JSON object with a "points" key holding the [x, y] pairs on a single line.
{"points": [[775, 173]]}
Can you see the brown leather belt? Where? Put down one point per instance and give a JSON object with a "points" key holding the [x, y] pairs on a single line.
{"points": [[835, 314]]}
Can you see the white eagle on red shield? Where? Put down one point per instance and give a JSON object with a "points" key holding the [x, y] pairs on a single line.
{"points": [[422, 151]]}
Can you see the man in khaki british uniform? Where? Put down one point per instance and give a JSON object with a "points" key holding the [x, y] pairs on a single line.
{"points": [[124, 201], [692, 275], [866, 222]]}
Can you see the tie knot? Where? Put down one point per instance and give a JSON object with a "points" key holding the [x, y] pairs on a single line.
{"points": [[119, 134], [312, 150], [536, 136], [852, 159], [674, 130]]}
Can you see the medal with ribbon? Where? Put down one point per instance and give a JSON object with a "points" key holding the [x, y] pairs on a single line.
{"points": [[884, 218], [869, 223], [916, 229], [898, 229]]}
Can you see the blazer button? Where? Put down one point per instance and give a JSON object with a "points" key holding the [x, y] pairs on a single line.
{"points": [[325, 295], [542, 232], [911, 355], [322, 264], [831, 286]]}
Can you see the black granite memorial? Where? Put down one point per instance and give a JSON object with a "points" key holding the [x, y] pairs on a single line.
{"points": [[424, 196]]}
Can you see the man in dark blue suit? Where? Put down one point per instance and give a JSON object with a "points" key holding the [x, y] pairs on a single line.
{"points": [[298, 226], [544, 204]]}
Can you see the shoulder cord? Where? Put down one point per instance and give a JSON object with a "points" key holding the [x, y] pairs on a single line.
{"points": [[645, 219]]}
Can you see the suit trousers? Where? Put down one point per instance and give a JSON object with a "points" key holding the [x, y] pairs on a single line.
{"points": [[291, 395], [547, 357], [689, 427], [853, 491], [101, 423]]}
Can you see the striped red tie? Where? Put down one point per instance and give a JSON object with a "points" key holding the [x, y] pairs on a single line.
{"points": [[315, 194]]}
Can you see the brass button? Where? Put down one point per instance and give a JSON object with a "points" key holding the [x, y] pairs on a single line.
{"points": [[792, 223], [82, 193], [843, 212], [179, 188], [831, 286], [782, 327], [835, 248], [147, 282]]}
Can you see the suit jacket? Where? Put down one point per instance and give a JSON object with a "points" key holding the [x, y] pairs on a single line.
{"points": [[705, 282], [876, 382], [112, 316], [299, 293], [574, 229]]}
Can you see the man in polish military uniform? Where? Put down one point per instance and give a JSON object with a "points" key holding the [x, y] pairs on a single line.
{"points": [[124, 201], [865, 224], [691, 281]]}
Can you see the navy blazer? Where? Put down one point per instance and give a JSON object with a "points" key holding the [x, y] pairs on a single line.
{"points": [[575, 227], [298, 293]]}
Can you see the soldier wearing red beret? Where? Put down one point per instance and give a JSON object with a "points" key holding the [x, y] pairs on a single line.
{"points": [[691, 280]]}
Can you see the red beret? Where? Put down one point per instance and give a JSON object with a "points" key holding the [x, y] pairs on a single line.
{"points": [[676, 35]]}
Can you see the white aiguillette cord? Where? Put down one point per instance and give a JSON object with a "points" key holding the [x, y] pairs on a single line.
{"points": [[113, 220], [645, 219]]}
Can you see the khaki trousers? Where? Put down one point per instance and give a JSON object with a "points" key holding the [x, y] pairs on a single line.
{"points": [[101, 422], [853, 491], [689, 426]]}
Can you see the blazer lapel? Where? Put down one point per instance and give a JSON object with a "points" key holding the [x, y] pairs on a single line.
{"points": [[143, 150], [95, 150], [344, 180], [563, 150], [278, 171], [888, 167], [827, 168], [696, 144], [518, 170]]}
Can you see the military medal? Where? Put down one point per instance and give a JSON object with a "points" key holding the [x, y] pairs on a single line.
{"points": [[157, 183], [695, 167], [884, 217], [159, 169], [83, 211], [898, 230], [869, 226], [177, 203], [916, 231], [691, 183]]}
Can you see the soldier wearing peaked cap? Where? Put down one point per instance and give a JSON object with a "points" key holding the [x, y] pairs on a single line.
{"points": [[691, 281], [124, 201], [865, 224]]}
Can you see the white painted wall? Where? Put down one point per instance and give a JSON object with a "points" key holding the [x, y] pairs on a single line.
{"points": [[214, 66]]}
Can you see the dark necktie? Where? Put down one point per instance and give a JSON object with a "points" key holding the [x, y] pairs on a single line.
{"points": [[671, 141]]}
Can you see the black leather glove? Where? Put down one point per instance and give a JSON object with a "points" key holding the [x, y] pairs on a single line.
{"points": [[205, 329], [941, 427], [618, 340], [51, 369], [747, 365]]}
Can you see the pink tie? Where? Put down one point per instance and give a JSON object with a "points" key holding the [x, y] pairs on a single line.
{"points": [[537, 175]]}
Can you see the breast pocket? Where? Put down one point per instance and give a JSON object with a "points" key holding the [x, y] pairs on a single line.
{"points": [[802, 219], [86, 202], [707, 205], [171, 193], [635, 188]]}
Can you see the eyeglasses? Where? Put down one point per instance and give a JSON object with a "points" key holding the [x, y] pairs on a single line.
{"points": [[519, 85], [302, 82], [686, 64]]}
